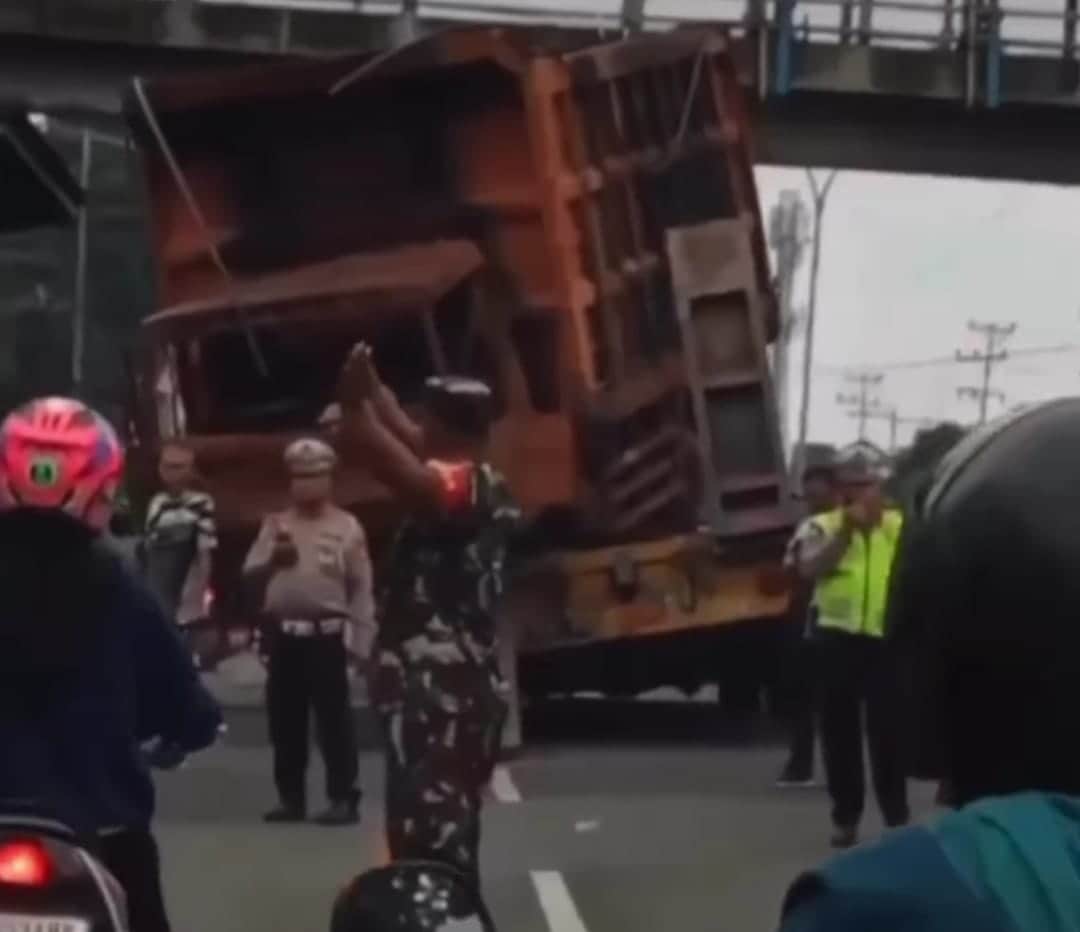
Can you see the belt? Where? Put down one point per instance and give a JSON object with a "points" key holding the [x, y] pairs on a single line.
{"points": [[306, 628]]}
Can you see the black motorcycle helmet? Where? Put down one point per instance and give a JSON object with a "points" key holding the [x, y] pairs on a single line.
{"points": [[985, 608], [410, 896]]}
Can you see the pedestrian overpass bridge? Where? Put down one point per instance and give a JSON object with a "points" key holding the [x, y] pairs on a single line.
{"points": [[956, 87]]}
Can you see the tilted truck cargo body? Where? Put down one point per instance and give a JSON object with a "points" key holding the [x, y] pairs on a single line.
{"points": [[576, 225]]}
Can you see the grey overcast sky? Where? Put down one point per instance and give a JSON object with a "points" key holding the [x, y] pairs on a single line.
{"points": [[906, 262]]}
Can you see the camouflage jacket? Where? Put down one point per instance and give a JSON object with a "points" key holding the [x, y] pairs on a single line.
{"points": [[444, 574]]}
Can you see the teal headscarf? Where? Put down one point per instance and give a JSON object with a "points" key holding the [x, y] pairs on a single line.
{"points": [[1021, 853]]}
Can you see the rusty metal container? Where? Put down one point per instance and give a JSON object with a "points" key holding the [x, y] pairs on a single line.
{"points": [[575, 222], [564, 167]]}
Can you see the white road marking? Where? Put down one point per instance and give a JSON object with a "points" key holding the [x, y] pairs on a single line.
{"points": [[557, 904], [502, 785]]}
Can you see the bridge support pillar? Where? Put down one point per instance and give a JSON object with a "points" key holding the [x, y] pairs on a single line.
{"points": [[1068, 38], [866, 21], [992, 38], [785, 37], [180, 26]]}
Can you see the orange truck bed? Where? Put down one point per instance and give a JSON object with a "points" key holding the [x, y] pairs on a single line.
{"points": [[575, 222]]}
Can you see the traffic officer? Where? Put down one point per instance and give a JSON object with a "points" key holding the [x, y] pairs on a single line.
{"points": [[311, 563], [848, 552], [983, 609], [436, 682]]}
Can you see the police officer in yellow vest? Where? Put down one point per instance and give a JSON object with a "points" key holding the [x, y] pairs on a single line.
{"points": [[849, 556]]}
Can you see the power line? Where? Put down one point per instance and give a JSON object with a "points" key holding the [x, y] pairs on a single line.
{"points": [[994, 336], [864, 403], [930, 361]]}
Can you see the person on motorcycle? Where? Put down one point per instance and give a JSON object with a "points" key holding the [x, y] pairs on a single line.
{"points": [[91, 670], [983, 613]]}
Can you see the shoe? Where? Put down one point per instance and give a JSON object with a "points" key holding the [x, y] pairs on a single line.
{"points": [[844, 836], [791, 777], [285, 815], [342, 812]]}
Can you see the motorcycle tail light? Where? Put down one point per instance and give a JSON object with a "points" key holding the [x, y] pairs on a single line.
{"points": [[24, 864]]}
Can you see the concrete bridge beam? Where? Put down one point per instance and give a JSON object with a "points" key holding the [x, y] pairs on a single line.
{"points": [[868, 109]]}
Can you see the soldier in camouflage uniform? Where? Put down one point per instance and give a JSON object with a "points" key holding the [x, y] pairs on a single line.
{"points": [[435, 683]]}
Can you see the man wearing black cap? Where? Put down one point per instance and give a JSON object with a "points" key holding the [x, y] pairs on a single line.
{"points": [[849, 558], [983, 610], [436, 683]]}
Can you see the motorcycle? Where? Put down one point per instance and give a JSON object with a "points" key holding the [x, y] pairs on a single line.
{"points": [[411, 896], [50, 882]]}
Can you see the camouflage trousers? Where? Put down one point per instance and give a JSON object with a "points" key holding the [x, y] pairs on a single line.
{"points": [[442, 743]]}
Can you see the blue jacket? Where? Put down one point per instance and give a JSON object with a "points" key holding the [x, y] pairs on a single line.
{"points": [[90, 668], [1006, 864]]}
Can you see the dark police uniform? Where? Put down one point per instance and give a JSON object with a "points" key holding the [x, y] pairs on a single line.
{"points": [[436, 685]]}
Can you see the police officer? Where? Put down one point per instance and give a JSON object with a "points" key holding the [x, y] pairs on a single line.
{"points": [[983, 607], [311, 562], [436, 682], [848, 552]]}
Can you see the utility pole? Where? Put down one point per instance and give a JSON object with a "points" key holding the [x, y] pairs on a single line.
{"points": [[789, 229], [865, 404], [78, 318], [821, 194], [994, 336]]}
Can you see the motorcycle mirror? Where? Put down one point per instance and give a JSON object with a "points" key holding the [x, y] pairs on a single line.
{"points": [[411, 896]]}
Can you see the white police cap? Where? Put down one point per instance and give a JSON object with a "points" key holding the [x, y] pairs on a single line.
{"points": [[309, 456]]}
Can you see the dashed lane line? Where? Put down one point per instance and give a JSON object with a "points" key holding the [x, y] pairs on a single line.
{"points": [[560, 911], [503, 786]]}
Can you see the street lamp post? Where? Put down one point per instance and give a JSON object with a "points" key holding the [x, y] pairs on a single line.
{"points": [[789, 225], [78, 318], [820, 195]]}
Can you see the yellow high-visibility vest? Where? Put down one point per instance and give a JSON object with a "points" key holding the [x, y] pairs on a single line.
{"points": [[852, 598]]}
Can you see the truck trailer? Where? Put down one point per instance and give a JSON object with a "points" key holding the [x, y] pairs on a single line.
{"points": [[573, 221]]}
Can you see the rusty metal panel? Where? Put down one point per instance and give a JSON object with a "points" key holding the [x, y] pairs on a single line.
{"points": [[415, 276], [640, 53], [653, 143], [727, 369], [561, 167]]}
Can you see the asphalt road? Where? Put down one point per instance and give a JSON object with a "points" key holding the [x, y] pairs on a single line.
{"points": [[580, 839]]}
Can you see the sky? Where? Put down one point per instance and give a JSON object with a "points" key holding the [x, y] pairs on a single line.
{"points": [[907, 261]]}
